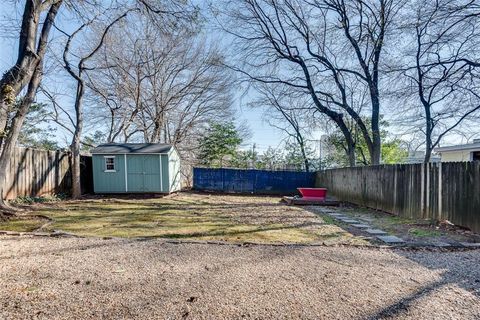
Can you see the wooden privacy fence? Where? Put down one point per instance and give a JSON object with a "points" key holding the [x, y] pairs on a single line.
{"points": [[440, 191], [33, 172]]}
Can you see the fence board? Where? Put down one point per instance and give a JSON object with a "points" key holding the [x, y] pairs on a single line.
{"points": [[251, 181], [33, 172], [440, 191]]}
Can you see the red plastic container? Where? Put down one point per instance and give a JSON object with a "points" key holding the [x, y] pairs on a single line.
{"points": [[313, 193]]}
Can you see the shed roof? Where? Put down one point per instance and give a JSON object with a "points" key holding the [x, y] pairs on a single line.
{"points": [[122, 148], [471, 147]]}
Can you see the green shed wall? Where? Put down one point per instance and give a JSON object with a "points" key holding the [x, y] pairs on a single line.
{"points": [[145, 173], [105, 182]]}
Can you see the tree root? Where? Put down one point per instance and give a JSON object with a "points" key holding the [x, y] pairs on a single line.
{"points": [[7, 212]]}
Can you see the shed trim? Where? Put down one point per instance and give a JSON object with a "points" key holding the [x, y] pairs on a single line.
{"points": [[126, 172], [132, 148], [161, 176], [114, 153], [470, 146], [106, 165]]}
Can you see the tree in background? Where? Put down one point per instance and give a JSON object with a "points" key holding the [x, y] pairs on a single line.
{"points": [[161, 85], [93, 140], [441, 68], [393, 149], [291, 114], [298, 157], [271, 159], [77, 72], [219, 144], [329, 51], [246, 159], [36, 131]]}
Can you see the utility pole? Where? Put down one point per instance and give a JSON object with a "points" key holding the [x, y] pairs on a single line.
{"points": [[320, 153], [320, 160], [253, 156]]}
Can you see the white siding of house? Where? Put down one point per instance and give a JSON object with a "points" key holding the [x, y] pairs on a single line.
{"points": [[174, 171], [457, 156]]}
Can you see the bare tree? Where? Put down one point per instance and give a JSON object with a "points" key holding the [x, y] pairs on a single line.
{"points": [[289, 113], [28, 70], [78, 75], [444, 68], [165, 86], [330, 50]]}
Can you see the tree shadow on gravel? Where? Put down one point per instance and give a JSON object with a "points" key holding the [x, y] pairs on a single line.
{"points": [[458, 272], [56, 251]]}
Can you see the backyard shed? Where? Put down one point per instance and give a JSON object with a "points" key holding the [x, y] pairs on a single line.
{"points": [[135, 168]]}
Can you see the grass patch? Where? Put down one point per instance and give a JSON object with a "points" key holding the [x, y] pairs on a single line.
{"points": [[191, 217], [328, 219], [21, 225], [422, 233]]}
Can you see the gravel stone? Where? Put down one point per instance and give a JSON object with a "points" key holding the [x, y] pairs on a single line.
{"points": [[86, 278]]}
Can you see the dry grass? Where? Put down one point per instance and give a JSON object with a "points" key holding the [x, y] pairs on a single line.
{"points": [[21, 225], [195, 217]]}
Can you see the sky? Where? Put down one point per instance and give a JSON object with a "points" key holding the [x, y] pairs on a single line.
{"points": [[262, 134]]}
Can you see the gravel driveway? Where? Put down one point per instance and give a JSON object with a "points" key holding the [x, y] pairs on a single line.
{"points": [[73, 278]]}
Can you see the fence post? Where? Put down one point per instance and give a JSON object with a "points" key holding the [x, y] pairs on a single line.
{"points": [[439, 191], [422, 198]]}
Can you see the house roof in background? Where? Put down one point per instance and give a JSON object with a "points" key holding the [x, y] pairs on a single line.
{"points": [[470, 146], [122, 148]]}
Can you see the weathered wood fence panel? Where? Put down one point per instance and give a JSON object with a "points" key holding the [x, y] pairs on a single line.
{"points": [[33, 172], [430, 191]]}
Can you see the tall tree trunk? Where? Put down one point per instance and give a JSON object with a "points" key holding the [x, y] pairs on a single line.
{"points": [[15, 127], [27, 70], [428, 135], [376, 150], [76, 140], [350, 143], [15, 79], [351, 155], [304, 155]]}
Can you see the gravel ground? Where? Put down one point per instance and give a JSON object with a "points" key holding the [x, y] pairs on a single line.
{"points": [[80, 278]]}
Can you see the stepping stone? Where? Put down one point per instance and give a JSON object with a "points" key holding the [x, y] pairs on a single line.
{"points": [[390, 239], [350, 221], [361, 226], [442, 244], [470, 244], [375, 231]]}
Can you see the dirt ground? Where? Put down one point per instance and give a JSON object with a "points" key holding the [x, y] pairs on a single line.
{"points": [[87, 278]]}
